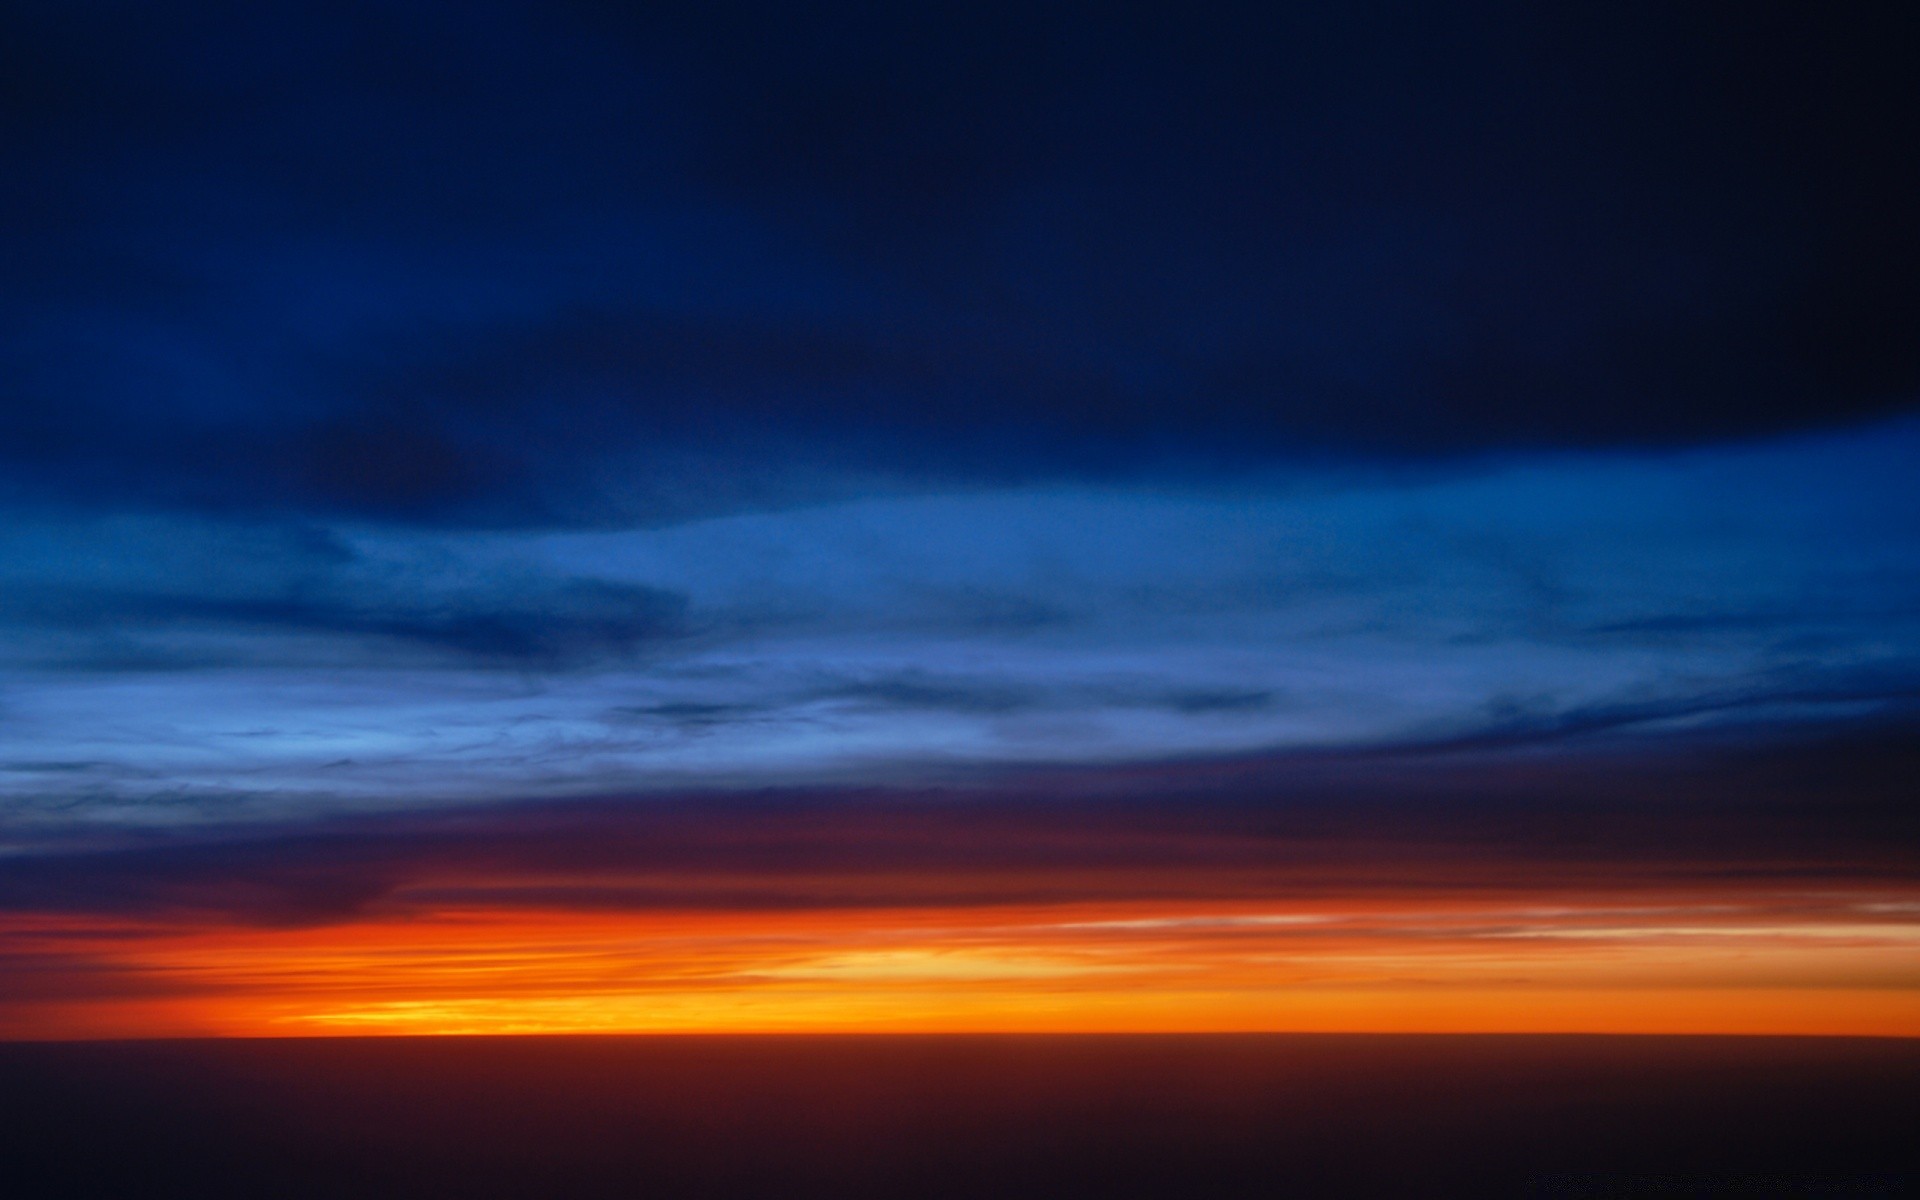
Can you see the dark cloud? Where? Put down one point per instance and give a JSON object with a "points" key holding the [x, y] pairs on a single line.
{"points": [[510, 263], [256, 884], [562, 623], [923, 690], [689, 713], [1517, 721], [57, 974], [1820, 810], [918, 691], [1222, 700]]}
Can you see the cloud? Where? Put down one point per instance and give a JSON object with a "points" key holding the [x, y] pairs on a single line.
{"points": [[1820, 811], [1698, 861], [151, 592], [256, 669], [578, 620], [599, 266]]}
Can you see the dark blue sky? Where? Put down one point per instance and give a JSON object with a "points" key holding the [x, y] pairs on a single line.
{"points": [[405, 404], [563, 262]]}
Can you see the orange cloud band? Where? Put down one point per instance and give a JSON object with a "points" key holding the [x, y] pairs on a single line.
{"points": [[1731, 961], [1511, 897]]}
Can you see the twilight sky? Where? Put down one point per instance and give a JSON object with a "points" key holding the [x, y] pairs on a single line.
{"points": [[602, 464]]}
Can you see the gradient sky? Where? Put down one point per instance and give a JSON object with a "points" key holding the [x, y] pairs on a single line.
{"points": [[570, 516]]}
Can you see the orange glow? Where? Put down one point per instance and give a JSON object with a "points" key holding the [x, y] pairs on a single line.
{"points": [[1753, 963]]}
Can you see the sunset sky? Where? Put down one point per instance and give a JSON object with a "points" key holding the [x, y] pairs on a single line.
{"points": [[570, 516]]}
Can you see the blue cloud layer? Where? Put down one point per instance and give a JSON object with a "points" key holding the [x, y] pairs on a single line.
{"points": [[179, 670]]}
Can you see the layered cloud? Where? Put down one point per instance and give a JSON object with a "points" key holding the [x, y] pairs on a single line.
{"points": [[179, 669], [1427, 497], [1668, 886]]}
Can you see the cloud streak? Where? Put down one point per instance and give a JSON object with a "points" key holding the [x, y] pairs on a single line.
{"points": [[1681, 812]]}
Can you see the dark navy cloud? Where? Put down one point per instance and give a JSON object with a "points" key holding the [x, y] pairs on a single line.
{"points": [[576, 620], [517, 264], [1812, 811], [151, 594]]}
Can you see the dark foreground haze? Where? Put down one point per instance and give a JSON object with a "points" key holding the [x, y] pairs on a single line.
{"points": [[1254, 1115]]}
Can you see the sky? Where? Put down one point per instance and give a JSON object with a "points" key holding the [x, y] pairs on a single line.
{"points": [[575, 516]]}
